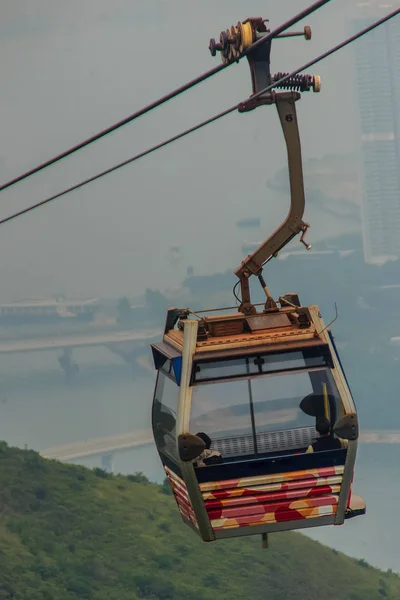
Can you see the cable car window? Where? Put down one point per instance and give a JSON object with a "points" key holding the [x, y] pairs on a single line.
{"points": [[334, 409], [225, 369], [167, 368], [221, 410], [263, 363], [276, 402], [290, 360], [164, 414]]}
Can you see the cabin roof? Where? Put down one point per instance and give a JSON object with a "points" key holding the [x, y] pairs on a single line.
{"points": [[232, 331]]}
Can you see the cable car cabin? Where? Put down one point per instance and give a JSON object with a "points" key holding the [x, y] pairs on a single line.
{"points": [[252, 415], [237, 405]]}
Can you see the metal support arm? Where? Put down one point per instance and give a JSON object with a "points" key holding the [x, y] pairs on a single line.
{"points": [[293, 224]]}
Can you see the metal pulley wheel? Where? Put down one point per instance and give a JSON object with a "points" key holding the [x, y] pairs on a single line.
{"points": [[246, 35], [235, 33], [234, 43], [223, 39]]}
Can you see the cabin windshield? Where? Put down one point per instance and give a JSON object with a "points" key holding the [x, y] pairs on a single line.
{"points": [[262, 414], [165, 405]]}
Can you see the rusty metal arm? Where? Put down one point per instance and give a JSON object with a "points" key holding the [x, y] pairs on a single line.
{"points": [[293, 224]]}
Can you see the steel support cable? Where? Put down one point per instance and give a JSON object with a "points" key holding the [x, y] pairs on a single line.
{"points": [[203, 123], [183, 88]]}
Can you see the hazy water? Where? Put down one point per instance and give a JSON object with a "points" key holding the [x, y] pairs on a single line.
{"points": [[375, 536], [37, 408]]}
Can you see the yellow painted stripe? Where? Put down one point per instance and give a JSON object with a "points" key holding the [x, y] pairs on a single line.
{"points": [[265, 479]]}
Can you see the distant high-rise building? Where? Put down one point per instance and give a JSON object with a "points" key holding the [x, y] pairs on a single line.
{"points": [[377, 62]]}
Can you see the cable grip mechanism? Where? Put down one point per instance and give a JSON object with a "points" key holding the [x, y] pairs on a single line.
{"points": [[235, 41]]}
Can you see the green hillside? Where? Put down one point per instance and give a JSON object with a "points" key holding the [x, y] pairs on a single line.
{"points": [[67, 532]]}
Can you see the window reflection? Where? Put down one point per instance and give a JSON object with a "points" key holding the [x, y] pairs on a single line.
{"points": [[221, 409], [164, 414], [276, 402]]}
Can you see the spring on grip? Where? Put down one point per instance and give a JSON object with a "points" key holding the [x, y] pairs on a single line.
{"points": [[299, 83]]}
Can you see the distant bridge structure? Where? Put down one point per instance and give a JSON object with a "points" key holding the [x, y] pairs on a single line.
{"points": [[77, 340], [124, 343]]}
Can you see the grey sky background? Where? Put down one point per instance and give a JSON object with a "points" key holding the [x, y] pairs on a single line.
{"points": [[68, 69]]}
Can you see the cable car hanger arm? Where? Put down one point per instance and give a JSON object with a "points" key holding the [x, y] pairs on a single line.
{"points": [[234, 41], [293, 224]]}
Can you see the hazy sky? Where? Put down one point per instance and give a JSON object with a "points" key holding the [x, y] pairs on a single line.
{"points": [[68, 69]]}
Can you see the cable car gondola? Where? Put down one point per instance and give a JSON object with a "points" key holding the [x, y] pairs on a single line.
{"points": [[252, 414]]}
